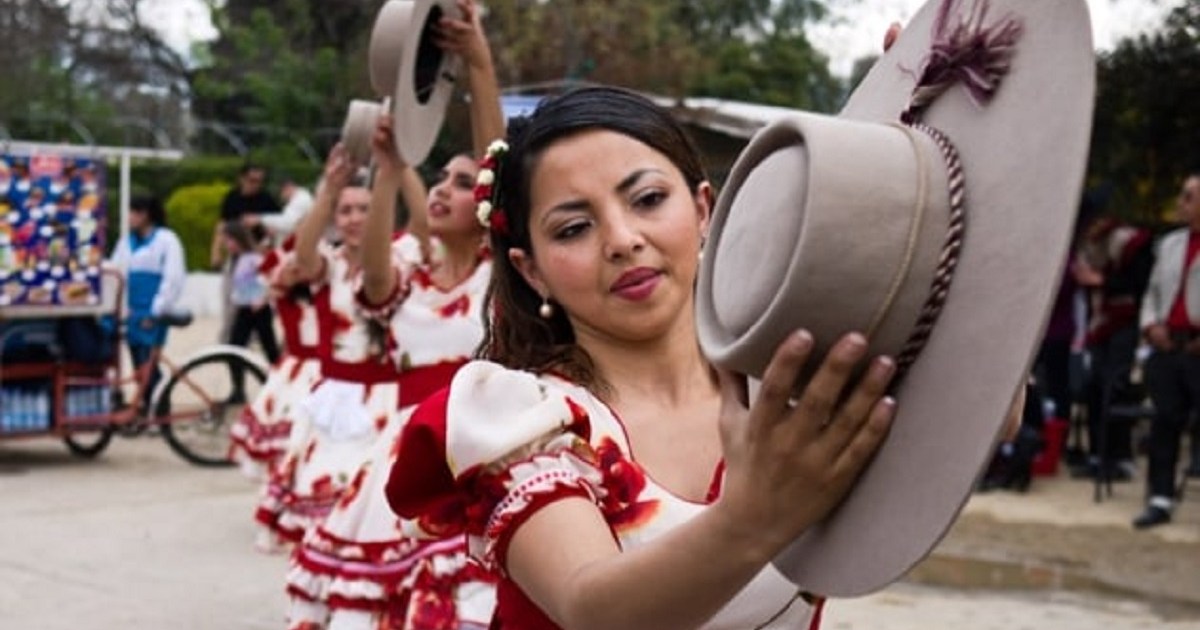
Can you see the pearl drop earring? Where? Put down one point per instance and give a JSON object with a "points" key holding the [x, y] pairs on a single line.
{"points": [[545, 310]]}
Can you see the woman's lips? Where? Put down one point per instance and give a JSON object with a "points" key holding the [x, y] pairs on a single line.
{"points": [[636, 284]]}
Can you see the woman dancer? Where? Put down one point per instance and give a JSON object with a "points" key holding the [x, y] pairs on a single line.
{"points": [[357, 568], [260, 436], [594, 459], [334, 425]]}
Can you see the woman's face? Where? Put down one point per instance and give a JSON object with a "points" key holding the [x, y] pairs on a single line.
{"points": [[231, 245], [451, 202], [350, 214], [138, 220], [615, 235]]}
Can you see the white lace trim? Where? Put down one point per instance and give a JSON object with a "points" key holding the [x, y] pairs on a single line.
{"points": [[543, 474]]}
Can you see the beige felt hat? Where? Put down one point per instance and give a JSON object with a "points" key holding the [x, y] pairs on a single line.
{"points": [[943, 240], [361, 118], [407, 66]]}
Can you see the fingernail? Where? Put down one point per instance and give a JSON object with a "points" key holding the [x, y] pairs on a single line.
{"points": [[856, 340], [889, 402], [883, 368], [804, 338]]}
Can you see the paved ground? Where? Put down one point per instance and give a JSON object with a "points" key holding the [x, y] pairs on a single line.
{"points": [[140, 539]]}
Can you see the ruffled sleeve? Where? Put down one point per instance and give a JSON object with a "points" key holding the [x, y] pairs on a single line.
{"points": [[406, 259], [483, 456]]}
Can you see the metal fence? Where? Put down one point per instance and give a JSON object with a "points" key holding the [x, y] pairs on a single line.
{"points": [[190, 136]]}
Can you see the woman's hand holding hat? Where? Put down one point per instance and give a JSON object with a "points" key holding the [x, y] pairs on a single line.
{"points": [[889, 37], [389, 165], [339, 168], [465, 37], [790, 461]]}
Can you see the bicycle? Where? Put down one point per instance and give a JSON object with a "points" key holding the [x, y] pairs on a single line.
{"points": [[194, 403]]}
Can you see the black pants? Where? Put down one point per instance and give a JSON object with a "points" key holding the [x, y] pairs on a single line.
{"points": [[1173, 380], [139, 355], [1112, 361], [1054, 364], [247, 321]]}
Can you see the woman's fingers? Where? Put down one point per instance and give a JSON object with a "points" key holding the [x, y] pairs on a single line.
{"points": [[890, 36], [856, 410], [781, 375], [733, 405], [469, 10], [865, 441], [821, 396]]}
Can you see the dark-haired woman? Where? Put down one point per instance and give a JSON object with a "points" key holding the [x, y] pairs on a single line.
{"points": [[358, 569], [333, 425], [594, 459], [153, 260], [260, 435], [252, 315]]}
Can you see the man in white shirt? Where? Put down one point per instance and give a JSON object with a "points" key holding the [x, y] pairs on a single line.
{"points": [[297, 202], [1170, 322]]}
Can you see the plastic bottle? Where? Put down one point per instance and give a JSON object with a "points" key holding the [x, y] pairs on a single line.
{"points": [[105, 399], [6, 403], [81, 404], [20, 409], [42, 410]]}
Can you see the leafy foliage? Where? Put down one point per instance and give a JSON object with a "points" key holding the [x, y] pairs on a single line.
{"points": [[1147, 117], [284, 70], [90, 60], [752, 50], [193, 212]]}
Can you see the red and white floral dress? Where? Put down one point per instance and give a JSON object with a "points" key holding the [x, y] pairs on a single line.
{"points": [[335, 425], [501, 444], [260, 435], [357, 569]]}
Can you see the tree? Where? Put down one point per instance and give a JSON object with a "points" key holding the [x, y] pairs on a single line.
{"points": [[282, 71], [743, 49], [1146, 119], [92, 63]]}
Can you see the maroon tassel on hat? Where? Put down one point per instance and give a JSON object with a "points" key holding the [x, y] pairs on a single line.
{"points": [[966, 51]]}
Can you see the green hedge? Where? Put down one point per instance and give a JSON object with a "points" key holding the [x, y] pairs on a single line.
{"points": [[193, 212]]}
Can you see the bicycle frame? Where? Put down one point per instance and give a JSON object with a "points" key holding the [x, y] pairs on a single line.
{"points": [[140, 379]]}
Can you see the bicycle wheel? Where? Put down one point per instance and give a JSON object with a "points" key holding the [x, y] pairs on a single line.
{"points": [[88, 444], [199, 403]]}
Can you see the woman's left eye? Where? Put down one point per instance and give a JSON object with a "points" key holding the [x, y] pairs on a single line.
{"points": [[650, 199]]}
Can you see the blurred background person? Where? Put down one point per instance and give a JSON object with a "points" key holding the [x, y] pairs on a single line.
{"points": [[247, 202], [1170, 322], [1113, 265], [153, 260], [297, 201], [252, 315]]}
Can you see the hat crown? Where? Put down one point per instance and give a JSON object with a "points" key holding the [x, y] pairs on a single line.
{"points": [[361, 117], [809, 191]]}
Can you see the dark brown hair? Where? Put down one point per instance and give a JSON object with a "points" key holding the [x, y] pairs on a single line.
{"points": [[240, 235], [151, 206], [516, 336]]}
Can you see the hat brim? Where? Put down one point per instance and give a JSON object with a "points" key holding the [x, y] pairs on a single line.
{"points": [[1024, 156], [426, 83], [386, 46]]}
